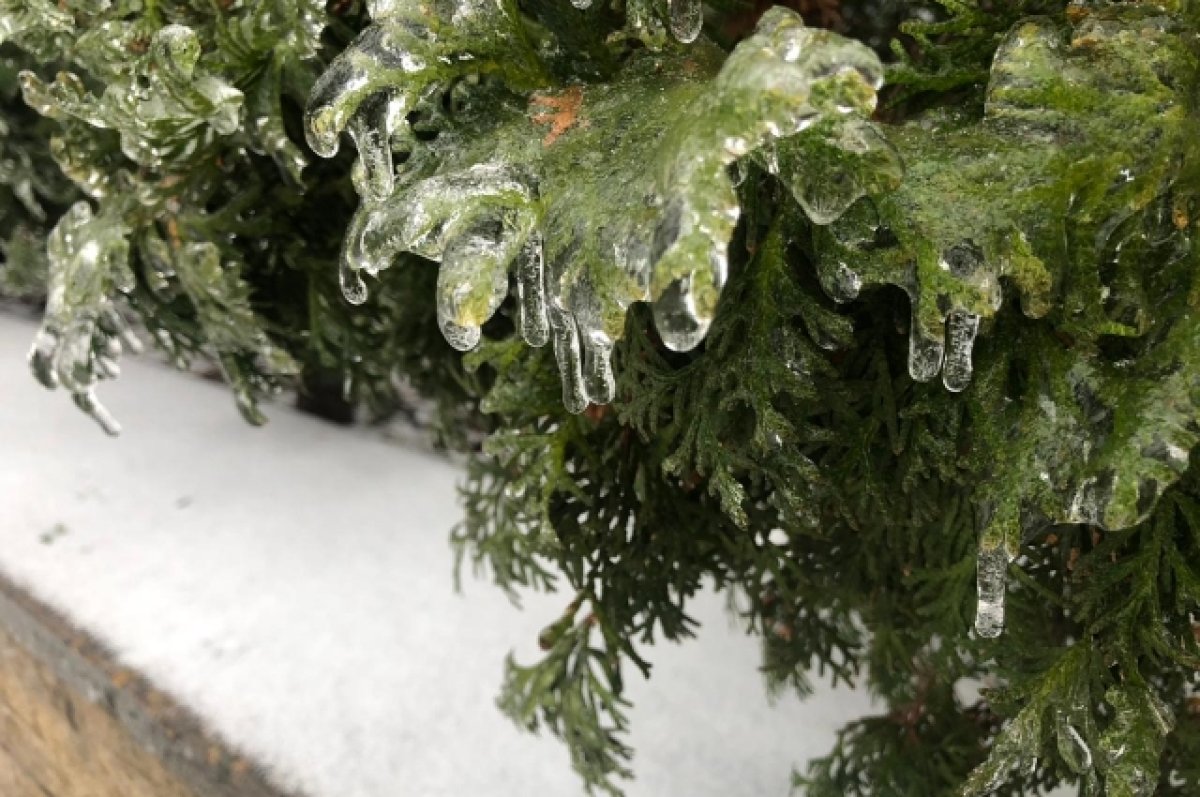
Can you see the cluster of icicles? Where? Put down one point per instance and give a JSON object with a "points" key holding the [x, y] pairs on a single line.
{"points": [[484, 221]]}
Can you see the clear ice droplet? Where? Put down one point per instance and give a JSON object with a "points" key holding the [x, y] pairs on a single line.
{"points": [[842, 283], [686, 19], [472, 283], [824, 197], [353, 287], [676, 319]]}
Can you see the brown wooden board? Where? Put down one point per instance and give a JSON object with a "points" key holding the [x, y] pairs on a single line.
{"points": [[74, 723]]}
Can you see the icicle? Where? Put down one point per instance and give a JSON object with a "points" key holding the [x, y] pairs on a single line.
{"points": [[961, 329], [1092, 496], [589, 308], [87, 402], [770, 157], [991, 582], [532, 323], [741, 171], [566, 352], [652, 223], [924, 353], [598, 376], [371, 129], [686, 19]]}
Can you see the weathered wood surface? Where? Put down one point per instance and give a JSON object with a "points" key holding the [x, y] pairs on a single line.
{"points": [[73, 723]]}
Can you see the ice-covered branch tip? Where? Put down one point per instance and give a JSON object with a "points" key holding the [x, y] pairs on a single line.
{"points": [[83, 334], [165, 109], [409, 49], [632, 202]]}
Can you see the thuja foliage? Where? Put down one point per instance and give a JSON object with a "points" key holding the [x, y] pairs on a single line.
{"points": [[882, 317]]}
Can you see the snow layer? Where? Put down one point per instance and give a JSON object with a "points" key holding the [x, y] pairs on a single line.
{"points": [[292, 586]]}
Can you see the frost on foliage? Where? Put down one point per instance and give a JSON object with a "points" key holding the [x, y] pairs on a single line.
{"points": [[595, 197], [83, 333], [1064, 191]]}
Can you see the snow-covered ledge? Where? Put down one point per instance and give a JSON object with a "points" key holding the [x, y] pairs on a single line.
{"points": [[284, 596]]}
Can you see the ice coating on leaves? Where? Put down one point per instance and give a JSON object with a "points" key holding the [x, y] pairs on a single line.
{"points": [[155, 130], [644, 21], [289, 31], [43, 17], [266, 125], [840, 160], [163, 115], [1021, 740], [596, 212], [409, 49], [490, 208], [950, 290], [82, 333], [1132, 745], [1060, 190]]}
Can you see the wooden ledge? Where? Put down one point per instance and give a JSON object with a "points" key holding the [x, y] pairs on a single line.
{"points": [[74, 723]]}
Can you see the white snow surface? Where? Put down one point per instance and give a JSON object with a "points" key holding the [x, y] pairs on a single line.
{"points": [[292, 586]]}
